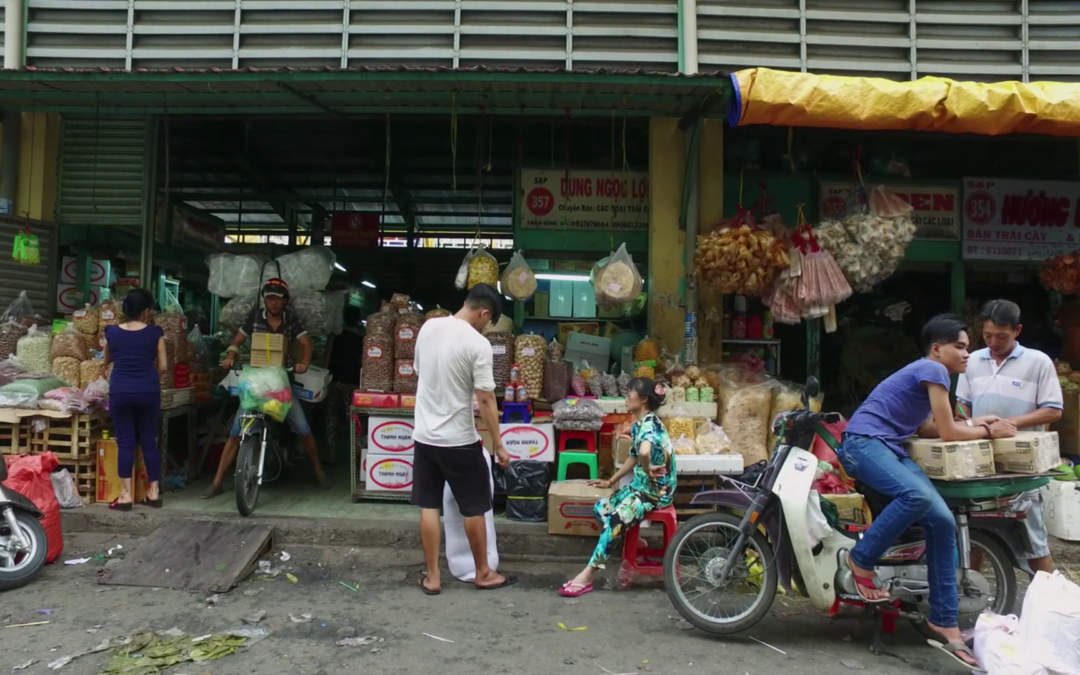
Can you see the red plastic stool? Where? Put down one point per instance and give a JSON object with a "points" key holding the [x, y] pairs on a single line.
{"points": [[588, 436], [634, 558]]}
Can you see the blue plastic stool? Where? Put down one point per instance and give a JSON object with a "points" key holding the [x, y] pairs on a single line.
{"points": [[523, 409]]}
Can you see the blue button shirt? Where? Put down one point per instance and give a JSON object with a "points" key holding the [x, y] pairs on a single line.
{"points": [[897, 407]]}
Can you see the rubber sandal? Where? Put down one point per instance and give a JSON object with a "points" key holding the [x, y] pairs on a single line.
{"points": [[862, 582], [425, 589], [572, 590], [213, 491], [117, 506], [508, 580], [950, 649], [152, 503]]}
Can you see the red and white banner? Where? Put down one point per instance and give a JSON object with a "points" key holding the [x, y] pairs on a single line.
{"points": [[936, 208], [1010, 219]]}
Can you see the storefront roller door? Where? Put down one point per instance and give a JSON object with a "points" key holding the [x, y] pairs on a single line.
{"points": [[106, 164], [39, 281]]}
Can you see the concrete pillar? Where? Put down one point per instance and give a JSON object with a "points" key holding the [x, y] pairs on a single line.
{"points": [[667, 159], [710, 210]]}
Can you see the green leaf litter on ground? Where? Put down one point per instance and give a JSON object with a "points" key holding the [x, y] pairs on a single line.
{"points": [[147, 654]]}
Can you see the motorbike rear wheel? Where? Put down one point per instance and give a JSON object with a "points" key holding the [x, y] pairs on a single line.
{"points": [[247, 468], [756, 552], [20, 568]]}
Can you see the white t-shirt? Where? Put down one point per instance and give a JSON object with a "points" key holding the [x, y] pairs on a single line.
{"points": [[452, 361]]}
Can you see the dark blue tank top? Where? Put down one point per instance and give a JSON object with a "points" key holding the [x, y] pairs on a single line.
{"points": [[134, 356]]}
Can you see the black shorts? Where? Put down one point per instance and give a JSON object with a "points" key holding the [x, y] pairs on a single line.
{"points": [[463, 467]]}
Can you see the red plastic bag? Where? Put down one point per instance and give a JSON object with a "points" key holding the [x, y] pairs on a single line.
{"points": [[29, 475]]}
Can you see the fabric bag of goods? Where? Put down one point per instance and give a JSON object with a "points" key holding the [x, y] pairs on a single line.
{"points": [[529, 353], [90, 371], [87, 320], [518, 281], [526, 484], [740, 260], [35, 350], [577, 414], [483, 268], [308, 269], [266, 390], [67, 369], [69, 343], [745, 405], [10, 332], [236, 311], [377, 362], [557, 376], [405, 378], [406, 329], [502, 357], [713, 440], [29, 476], [1050, 623], [25, 393], [458, 554], [618, 281]]}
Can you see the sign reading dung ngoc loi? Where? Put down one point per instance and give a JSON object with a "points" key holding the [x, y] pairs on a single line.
{"points": [[1007, 219], [584, 200]]}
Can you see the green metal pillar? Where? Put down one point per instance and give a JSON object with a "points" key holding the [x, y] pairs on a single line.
{"points": [[83, 263]]}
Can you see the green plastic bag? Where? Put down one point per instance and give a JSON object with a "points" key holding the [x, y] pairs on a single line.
{"points": [[26, 249], [266, 390]]}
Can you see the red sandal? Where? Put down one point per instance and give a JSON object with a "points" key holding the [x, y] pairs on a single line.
{"points": [[117, 506], [572, 590], [862, 582]]}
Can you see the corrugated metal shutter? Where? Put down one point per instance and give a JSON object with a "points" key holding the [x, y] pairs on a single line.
{"points": [[105, 170], [39, 281]]}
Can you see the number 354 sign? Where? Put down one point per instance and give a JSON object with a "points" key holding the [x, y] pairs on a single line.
{"points": [[584, 200]]}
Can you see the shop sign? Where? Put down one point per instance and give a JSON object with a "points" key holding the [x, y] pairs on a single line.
{"points": [[1009, 219], [194, 229], [528, 441], [354, 230], [936, 209], [584, 200], [389, 434]]}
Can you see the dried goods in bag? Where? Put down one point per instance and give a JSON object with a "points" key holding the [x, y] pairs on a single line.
{"points": [[437, 313], [10, 333], [577, 414], [518, 281], [504, 325], [314, 311], [378, 362], [35, 351], [406, 329], [405, 378], [555, 350], [680, 423], [684, 446], [712, 440], [90, 371], [502, 357], [382, 322], [741, 259], [69, 343], [482, 267], [236, 311], [557, 376], [618, 281], [86, 320], [623, 382], [529, 354], [109, 314], [308, 269], [67, 369], [745, 404]]}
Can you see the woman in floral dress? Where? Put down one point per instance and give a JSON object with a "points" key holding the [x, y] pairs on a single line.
{"points": [[652, 462]]}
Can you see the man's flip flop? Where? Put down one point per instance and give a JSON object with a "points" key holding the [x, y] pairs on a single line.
{"points": [[508, 580], [425, 589], [864, 582], [572, 590], [951, 649]]}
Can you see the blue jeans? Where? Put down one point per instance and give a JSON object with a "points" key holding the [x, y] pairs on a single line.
{"points": [[914, 500], [295, 418]]}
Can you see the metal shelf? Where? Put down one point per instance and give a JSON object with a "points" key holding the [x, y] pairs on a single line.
{"points": [[763, 343]]}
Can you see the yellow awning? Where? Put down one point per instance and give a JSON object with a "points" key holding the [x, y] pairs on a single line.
{"points": [[764, 96]]}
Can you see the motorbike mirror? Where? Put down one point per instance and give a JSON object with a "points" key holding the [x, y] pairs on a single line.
{"points": [[813, 388]]}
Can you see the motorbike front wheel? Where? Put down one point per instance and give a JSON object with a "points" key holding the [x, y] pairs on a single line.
{"points": [[247, 473], [17, 566], [693, 564]]}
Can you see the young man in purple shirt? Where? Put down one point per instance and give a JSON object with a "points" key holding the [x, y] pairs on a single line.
{"points": [[914, 401]]}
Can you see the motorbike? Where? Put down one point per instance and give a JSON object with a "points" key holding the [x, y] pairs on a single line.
{"points": [[759, 540], [23, 542]]}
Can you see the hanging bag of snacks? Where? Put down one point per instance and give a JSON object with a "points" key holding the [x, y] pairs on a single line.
{"points": [[518, 281], [27, 250], [740, 258], [483, 268], [618, 282]]}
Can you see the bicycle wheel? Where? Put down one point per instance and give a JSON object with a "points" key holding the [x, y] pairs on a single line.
{"points": [[247, 479]]}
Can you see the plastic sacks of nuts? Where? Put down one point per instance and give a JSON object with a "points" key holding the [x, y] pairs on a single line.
{"points": [[518, 281], [109, 314], [596, 385], [34, 351], [712, 440], [437, 313], [10, 333], [502, 357], [617, 281], [557, 376], [483, 268], [680, 424], [745, 404], [623, 383], [404, 377], [378, 362], [67, 369], [406, 329], [86, 320], [69, 343], [529, 355], [167, 379], [740, 260], [578, 385], [555, 350], [382, 322], [577, 414], [90, 371], [236, 311], [610, 385], [684, 446]]}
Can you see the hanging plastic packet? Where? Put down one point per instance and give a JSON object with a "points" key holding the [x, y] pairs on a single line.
{"points": [[26, 250]]}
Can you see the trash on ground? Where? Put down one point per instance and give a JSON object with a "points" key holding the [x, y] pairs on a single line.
{"points": [[365, 641], [572, 630], [683, 624], [854, 664], [303, 618], [255, 617], [46, 612], [354, 589], [77, 561], [213, 600], [436, 637], [252, 635], [172, 632], [775, 649], [285, 557], [149, 654], [24, 665], [27, 625], [112, 550], [291, 578], [60, 662], [266, 568]]}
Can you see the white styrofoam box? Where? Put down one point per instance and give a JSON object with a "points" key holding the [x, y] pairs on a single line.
{"points": [[709, 465], [312, 385], [705, 411], [529, 441], [389, 473], [100, 271], [390, 435], [1061, 509], [612, 406], [592, 348], [68, 300]]}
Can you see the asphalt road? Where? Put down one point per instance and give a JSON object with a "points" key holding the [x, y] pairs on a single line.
{"points": [[512, 630]]}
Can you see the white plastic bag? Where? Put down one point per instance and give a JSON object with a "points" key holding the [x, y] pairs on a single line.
{"points": [[458, 554], [64, 487], [815, 519], [997, 647], [518, 281], [308, 269], [1050, 623]]}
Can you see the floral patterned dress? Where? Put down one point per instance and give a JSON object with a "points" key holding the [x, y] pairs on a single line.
{"points": [[628, 506]]}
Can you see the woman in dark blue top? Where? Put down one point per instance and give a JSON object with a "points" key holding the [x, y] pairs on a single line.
{"points": [[137, 352]]}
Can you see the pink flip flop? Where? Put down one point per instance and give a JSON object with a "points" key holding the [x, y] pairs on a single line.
{"points": [[572, 590]]}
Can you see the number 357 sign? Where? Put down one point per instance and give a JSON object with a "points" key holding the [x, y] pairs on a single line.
{"points": [[584, 200]]}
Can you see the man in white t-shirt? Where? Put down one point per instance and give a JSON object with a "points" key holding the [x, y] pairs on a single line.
{"points": [[453, 362]]}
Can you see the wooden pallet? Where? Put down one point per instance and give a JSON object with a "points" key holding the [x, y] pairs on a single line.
{"points": [[177, 398], [11, 437], [685, 491], [84, 473], [72, 439]]}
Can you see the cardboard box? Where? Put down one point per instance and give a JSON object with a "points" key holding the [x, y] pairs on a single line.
{"points": [[390, 435], [1027, 452], [570, 508], [107, 485], [100, 271], [523, 441], [68, 299], [852, 507], [592, 348], [372, 399], [268, 349], [622, 451], [388, 473], [1061, 509], [408, 401], [952, 461], [1068, 427]]}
